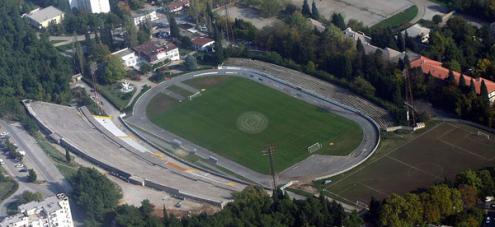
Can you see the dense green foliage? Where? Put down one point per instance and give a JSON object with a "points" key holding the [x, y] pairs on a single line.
{"points": [[30, 67], [94, 193], [228, 132], [32, 176], [484, 9], [252, 207], [451, 203]]}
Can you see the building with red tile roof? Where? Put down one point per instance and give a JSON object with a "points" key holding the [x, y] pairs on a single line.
{"points": [[178, 5], [155, 51], [202, 43], [436, 69]]}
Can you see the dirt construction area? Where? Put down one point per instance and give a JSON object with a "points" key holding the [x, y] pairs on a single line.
{"points": [[429, 157]]}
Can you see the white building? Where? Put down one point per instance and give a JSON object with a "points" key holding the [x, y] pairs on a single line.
{"points": [[156, 51], [91, 6], [128, 57], [53, 211], [142, 16], [202, 43], [419, 31], [42, 18]]}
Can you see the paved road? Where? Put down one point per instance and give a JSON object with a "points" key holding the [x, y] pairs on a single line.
{"points": [[68, 39], [52, 181], [313, 167]]}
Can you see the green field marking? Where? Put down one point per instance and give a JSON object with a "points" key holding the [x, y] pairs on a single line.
{"points": [[409, 161], [399, 19], [237, 118]]}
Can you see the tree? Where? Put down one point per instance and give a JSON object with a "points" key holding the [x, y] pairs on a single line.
{"points": [[174, 28], [68, 158], [131, 37], [111, 70], [305, 11], [191, 63], [93, 192], [338, 20], [437, 19], [32, 175], [484, 92], [462, 83], [315, 14]]}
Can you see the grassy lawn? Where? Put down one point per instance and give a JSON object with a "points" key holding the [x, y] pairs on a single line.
{"points": [[406, 162], [237, 118], [112, 94], [399, 19], [7, 187], [67, 169]]}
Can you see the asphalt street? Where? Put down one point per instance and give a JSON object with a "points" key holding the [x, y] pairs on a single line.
{"points": [[51, 181]]}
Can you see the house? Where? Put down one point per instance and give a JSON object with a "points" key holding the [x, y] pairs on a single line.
{"points": [[317, 25], [388, 54], [53, 211], [178, 5], [202, 43], [128, 57], [418, 31], [438, 71], [156, 51], [42, 18], [142, 16], [91, 6]]}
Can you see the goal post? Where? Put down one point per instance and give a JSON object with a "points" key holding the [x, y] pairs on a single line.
{"points": [[315, 147], [198, 93], [480, 133]]}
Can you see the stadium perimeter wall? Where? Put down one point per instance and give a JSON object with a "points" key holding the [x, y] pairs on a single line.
{"points": [[118, 172], [373, 122]]}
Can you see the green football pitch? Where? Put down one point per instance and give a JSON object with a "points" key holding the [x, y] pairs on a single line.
{"points": [[237, 118]]}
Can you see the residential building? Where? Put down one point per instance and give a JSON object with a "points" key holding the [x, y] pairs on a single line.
{"points": [[202, 43], [178, 5], [388, 54], [436, 69], [128, 57], [418, 31], [53, 211], [91, 6], [142, 16], [42, 18], [157, 51], [317, 25]]}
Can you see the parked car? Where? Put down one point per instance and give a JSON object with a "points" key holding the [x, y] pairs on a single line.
{"points": [[19, 165]]}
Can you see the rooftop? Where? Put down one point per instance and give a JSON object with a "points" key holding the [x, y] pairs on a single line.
{"points": [[123, 52], [45, 14], [438, 71], [201, 41]]}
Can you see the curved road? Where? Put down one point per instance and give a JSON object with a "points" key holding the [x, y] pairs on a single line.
{"points": [[315, 166]]}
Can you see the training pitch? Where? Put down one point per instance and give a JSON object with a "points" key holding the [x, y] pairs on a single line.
{"points": [[411, 162], [237, 118]]}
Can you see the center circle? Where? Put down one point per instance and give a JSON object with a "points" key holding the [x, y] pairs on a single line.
{"points": [[252, 122]]}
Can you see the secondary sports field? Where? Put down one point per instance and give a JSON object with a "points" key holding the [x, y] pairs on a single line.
{"points": [[407, 162], [237, 118]]}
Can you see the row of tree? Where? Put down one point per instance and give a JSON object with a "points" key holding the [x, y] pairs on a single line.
{"points": [[454, 203], [480, 9], [98, 197]]}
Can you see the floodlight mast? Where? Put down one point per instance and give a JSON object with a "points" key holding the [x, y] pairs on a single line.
{"points": [[269, 151]]}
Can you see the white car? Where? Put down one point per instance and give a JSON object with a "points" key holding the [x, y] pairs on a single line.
{"points": [[20, 165], [2, 134], [2, 162]]}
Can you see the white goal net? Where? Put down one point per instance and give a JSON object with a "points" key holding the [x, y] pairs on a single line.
{"points": [[194, 95], [315, 147]]}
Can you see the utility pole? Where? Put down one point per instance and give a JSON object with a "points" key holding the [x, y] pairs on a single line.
{"points": [[269, 151], [411, 119]]}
